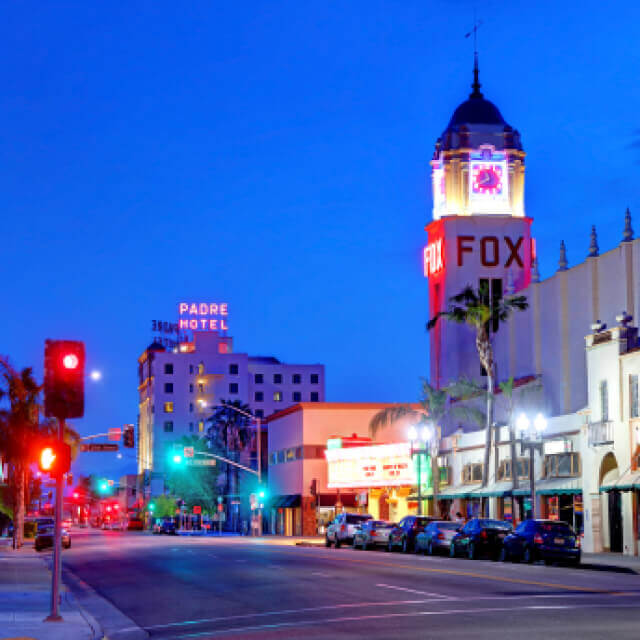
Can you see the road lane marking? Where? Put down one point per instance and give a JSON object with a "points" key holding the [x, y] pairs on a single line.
{"points": [[421, 593], [307, 623], [320, 574]]}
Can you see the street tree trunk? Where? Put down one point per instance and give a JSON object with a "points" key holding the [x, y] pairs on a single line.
{"points": [[485, 353], [18, 508]]}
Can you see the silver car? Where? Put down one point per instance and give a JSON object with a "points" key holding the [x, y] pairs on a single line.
{"points": [[341, 530], [436, 536], [372, 533]]}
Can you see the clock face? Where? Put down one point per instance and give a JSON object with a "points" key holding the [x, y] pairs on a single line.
{"points": [[486, 178]]}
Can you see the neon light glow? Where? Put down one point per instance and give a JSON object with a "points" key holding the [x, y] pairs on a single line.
{"points": [[385, 465], [433, 258], [203, 316]]}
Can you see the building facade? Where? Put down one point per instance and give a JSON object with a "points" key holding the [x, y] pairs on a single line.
{"points": [[179, 388]]}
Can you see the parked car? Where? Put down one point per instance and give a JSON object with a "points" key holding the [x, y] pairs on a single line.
{"points": [[404, 534], [372, 533], [480, 536], [546, 540], [437, 536], [45, 537], [66, 523], [165, 525], [341, 530]]}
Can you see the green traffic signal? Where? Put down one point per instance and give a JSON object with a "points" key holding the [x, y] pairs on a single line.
{"points": [[151, 506], [177, 459], [104, 486]]}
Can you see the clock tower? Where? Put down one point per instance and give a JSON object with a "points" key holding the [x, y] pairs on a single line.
{"points": [[479, 233]]}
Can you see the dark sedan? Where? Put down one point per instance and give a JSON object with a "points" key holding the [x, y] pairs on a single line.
{"points": [[480, 536], [437, 536], [45, 538], [404, 534], [546, 540]]}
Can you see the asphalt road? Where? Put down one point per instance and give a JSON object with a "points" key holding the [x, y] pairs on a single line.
{"points": [[243, 588]]}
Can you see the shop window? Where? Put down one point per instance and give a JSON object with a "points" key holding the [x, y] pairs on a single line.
{"points": [[168, 407], [258, 378], [315, 378], [633, 396], [472, 473], [562, 465], [168, 426], [168, 369]]}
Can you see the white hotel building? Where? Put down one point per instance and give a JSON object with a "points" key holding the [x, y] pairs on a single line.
{"points": [[179, 389]]}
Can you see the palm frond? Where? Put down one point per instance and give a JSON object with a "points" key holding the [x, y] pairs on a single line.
{"points": [[388, 416], [466, 413]]}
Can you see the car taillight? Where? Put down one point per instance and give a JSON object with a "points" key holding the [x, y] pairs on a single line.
{"points": [[343, 528], [483, 534], [537, 539], [577, 542], [373, 533], [441, 536]]}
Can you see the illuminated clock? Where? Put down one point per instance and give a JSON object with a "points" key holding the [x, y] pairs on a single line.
{"points": [[486, 178]]}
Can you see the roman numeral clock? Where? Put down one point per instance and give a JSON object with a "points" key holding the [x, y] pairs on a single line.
{"points": [[479, 231]]}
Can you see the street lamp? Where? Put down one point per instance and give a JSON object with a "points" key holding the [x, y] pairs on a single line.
{"points": [[417, 437], [531, 440]]}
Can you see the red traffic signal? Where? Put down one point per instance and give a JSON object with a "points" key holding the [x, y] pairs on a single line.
{"points": [[64, 362], [128, 438], [54, 457]]}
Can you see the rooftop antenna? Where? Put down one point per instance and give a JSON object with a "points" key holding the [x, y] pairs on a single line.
{"points": [[476, 83]]}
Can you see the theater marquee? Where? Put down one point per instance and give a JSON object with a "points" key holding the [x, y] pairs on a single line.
{"points": [[384, 465]]}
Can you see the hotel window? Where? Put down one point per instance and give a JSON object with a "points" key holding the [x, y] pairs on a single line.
{"points": [[201, 368], [315, 378], [504, 470], [233, 387], [296, 378], [314, 396], [168, 426], [277, 396], [280, 455], [223, 347], [190, 407], [561, 465], [258, 378], [633, 396], [201, 426], [604, 401], [272, 458], [233, 369], [297, 396], [191, 387], [191, 426], [277, 378], [258, 396], [472, 473], [168, 407], [259, 413], [168, 387], [168, 368], [200, 388], [190, 368]]}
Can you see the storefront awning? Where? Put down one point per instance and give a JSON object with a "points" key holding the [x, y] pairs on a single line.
{"points": [[460, 491], [286, 502], [626, 482], [558, 486], [496, 490]]}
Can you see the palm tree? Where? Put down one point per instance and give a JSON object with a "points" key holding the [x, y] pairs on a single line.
{"points": [[475, 308], [19, 428], [230, 432], [435, 406]]}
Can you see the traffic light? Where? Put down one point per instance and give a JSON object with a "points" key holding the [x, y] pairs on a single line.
{"points": [[128, 438], [63, 379], [54, 457]]}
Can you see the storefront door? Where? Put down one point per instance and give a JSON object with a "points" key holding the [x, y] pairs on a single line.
{"points": [[615, 522]]}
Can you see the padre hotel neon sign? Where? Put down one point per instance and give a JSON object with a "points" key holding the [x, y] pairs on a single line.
{"points": [[203, 316]]}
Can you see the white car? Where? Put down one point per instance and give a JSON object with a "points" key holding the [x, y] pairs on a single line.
{"points": [[372, 533], [343, 528]]}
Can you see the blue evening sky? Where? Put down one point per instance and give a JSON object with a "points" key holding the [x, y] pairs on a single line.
{"points": [[275, 155]]}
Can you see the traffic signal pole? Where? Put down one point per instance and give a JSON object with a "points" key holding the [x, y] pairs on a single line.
{"points": [[54, 615]]}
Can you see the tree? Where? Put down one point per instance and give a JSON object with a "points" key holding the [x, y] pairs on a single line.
{"points": [[163, 507], [196, 485], [436, 407], [20, 429], [230, 433], [475, 308]]}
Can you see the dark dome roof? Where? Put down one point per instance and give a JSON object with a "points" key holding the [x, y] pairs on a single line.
{"points": [[476, 110]]}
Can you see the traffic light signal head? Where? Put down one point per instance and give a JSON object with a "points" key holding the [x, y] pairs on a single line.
{"points": [[54, 457], [128, 438], [64, 362]]}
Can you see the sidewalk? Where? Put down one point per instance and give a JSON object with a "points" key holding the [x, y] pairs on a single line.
{"points": [[612, 562], [25, 601]]}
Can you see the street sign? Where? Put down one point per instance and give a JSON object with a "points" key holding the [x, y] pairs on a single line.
{"points": [[188, 452], [115, 433], [98, 447], [197, 510], [196, 462], [110, 482]]}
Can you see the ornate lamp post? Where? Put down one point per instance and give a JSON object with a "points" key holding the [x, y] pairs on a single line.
{"points": [[420, 446], [531, 440]]}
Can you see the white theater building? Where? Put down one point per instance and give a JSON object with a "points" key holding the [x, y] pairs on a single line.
{"points": [[481, 234]]}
